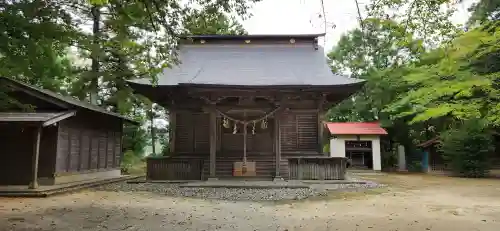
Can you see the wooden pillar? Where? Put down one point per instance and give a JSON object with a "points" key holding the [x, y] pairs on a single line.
{"points": [[172, 117], [213, 141], [277, 146], [34, 162]]}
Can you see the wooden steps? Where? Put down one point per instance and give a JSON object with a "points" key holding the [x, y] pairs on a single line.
{"points": [[45, 191]]}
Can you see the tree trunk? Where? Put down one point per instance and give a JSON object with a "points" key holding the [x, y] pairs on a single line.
{"points": [[95, 54], [153, 132]]}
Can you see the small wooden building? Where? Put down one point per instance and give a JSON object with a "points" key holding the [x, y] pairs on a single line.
{"points": [[60, 140], [249, 105], [434, 163]]}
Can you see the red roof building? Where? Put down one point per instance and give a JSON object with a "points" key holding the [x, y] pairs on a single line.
{"points": [[355, 128], [357, 141]]}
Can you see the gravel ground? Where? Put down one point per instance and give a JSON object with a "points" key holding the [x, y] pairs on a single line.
{"points": [[409, 203], [236, 194]]}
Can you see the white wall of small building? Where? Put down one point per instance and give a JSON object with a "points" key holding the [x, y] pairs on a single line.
{"points": [[337, 147]]}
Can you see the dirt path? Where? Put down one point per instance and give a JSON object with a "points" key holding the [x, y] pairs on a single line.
{"points": [[411, 203]]}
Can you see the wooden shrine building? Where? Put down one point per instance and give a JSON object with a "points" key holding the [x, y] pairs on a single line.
{"points": [[50, 139], [248, 105]]}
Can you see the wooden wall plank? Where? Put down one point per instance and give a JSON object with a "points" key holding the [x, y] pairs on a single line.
{"points": [[299, 130], [317, 169], [184, 133], [85, 151], [102, 150], [68, 154], [200, 125], [94, 150], [110, 149], [172, 123], [118, 149], [191, 132], [62, 149], [74, 153]]}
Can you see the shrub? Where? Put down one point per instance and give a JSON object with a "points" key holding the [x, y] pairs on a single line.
{"points": [[390, 159], [129, 161], [326, 148], [467, 148], [415, 166]]}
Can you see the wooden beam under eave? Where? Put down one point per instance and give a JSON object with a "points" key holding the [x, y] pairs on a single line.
{"points": [[59, 117], [36, 155]]}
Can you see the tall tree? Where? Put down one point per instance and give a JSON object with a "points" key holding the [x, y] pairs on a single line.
{"points": [[36, 36], [427, 20], [483, 11], [371, 54], [459, 81], [393, 35], [116, 40]]}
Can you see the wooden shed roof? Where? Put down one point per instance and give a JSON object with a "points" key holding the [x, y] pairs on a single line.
{"points": [[25, 116], [274, 61], [43, 117], [429, 143], [57, 99]]}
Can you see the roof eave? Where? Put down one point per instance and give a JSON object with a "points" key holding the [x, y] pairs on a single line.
{"points": [[294, 86], [359, 134], [359, 83]]}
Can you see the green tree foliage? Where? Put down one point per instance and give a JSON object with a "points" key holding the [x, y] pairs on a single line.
{"points": [[380, 44], [211, 22], [35, 35], [423, 76], [458, 81], [467, 148], [483, 11], [375, 54], [427, 20]]}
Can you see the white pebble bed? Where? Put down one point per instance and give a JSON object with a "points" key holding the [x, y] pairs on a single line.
{"points": [[237, 194]]}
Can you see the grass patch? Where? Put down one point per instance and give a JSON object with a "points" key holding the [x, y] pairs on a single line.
{"points": [[138, 169], [335, 195], [421, 180], [344, 195]]}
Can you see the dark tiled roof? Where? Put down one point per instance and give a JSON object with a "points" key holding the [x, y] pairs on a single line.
{"points": [[64, 99], [251, 65]]}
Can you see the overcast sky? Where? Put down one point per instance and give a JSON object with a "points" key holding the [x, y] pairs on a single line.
{"points": [[301, 17]]}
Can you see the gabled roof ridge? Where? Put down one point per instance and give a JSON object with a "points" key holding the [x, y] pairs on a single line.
{"points": [[250, 36]]}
